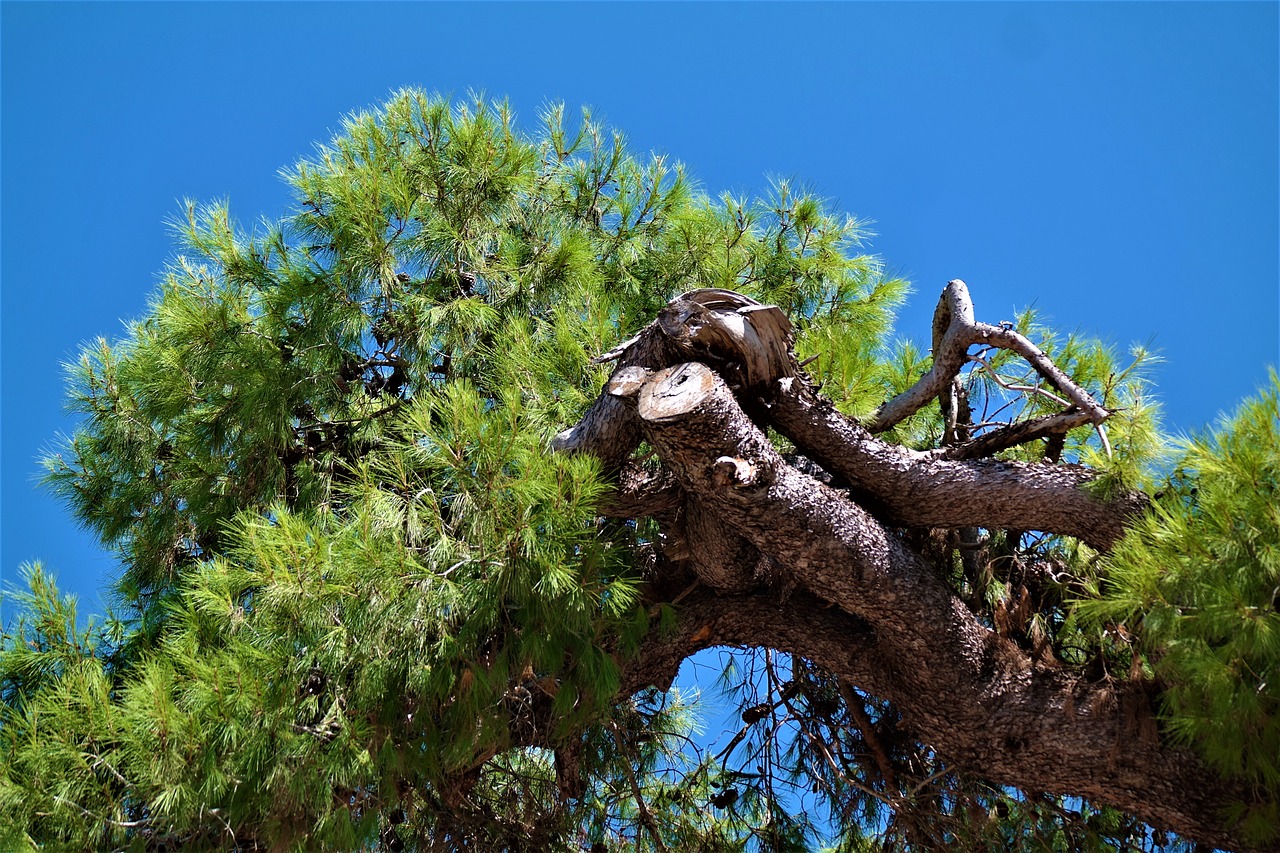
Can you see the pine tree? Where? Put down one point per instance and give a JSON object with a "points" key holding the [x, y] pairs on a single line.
{"points": [[398, 574]]}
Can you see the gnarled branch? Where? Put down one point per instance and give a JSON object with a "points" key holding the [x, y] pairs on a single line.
{"points": [[861, 603], [982, 702], [954, 331]]}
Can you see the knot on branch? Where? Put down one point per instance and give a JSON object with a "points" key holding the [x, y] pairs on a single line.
{"points": [[734, 472]]}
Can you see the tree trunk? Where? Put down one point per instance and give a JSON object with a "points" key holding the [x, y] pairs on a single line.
{"points": [[702, 383]]}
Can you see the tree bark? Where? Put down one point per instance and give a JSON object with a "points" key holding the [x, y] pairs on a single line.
{"points": [[866, 606]]}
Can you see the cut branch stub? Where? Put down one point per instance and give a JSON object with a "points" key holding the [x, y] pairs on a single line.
{"points": [[675, 391], [699, 415], [627, 381], [749, 342]]}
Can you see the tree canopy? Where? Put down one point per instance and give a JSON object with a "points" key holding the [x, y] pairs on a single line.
{"points": [[422, 495]]}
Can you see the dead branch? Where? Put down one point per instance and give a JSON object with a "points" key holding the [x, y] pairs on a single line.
{"points": [[954, 331]]}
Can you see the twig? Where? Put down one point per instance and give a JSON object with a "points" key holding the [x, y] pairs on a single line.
{"points": [[821, 746], [646, 817], [1036, 389], [1008, 386], [924, 782], [1015, 341], [869, 737], [1102, 436], [99, 761], [123, 824], [218, 814], [1013, 435]]}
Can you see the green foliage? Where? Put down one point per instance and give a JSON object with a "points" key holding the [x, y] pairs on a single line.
{"points": [[355, 580], [363, 606], [1198, 579]]}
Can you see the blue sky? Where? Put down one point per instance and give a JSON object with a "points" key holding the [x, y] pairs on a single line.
{"points": [[1113, 164]]}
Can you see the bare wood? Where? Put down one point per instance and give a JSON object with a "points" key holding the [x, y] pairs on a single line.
{"points": [[627, 381], [751, 339], [675, 391]]}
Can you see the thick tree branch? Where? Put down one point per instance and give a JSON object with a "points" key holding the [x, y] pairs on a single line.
{"points": [[952, 328], [940, 489], [644, 494], [862, 604], [974, 696], [1043, 730], [933, 490], [750, 342]]}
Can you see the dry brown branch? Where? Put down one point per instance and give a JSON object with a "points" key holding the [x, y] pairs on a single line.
{"points": [[954, 331]]}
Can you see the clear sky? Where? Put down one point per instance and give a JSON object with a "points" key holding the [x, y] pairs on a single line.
{"points": [[1114, 164]]}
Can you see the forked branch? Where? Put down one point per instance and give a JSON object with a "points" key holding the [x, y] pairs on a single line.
{"points": [[954, 331]]}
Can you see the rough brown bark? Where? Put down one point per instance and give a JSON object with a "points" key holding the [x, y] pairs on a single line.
{"points": [[700, 384], [930, 490], [1039, 730]]}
